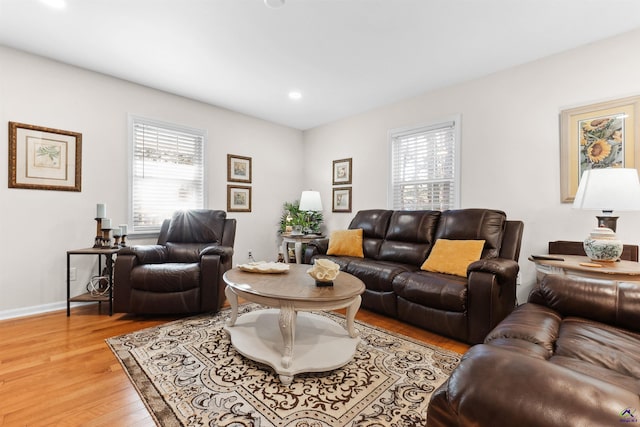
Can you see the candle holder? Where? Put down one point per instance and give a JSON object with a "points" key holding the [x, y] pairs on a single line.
{"points": [[106, 238], [116, 240], [123, 242], [98, 240]]}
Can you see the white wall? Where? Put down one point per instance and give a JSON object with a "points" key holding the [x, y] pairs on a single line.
{"points": [[37, 227], [510, 142]]}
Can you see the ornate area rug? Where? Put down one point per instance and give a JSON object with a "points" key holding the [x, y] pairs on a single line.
{"points": [[188, 374]]}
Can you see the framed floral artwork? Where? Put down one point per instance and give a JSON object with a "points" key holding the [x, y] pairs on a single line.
{"points": [[341, 199], [42, 158], [238, 168], [238, 198], [603, 135], [342, 171]]}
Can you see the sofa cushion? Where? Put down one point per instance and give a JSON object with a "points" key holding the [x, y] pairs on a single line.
{"points": [[167, 277], [184, 252], [346, 243], [599, 350], [197, 226], [453, 256], [474, 224], [374, 224], [435, 290], [409, 236], [378, 275]]}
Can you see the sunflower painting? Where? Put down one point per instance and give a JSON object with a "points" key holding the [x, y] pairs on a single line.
{"points": [[601, 142], [597, 136]]}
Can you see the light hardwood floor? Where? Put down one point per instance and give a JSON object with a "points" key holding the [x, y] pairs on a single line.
{"points": [[58, 371]]}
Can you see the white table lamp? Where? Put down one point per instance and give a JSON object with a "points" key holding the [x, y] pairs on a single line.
{"points": [[310, 201], [608, 190]]}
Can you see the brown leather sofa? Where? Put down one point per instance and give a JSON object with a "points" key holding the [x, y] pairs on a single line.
{"points": [[396, 243], [182, 273], [569, 356]]}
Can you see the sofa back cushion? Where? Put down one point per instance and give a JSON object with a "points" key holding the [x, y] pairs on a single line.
{"points": [[374, 223], [474, 224], [197, 226], [409, 236]]}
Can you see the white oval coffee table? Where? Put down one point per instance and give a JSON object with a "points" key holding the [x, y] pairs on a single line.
{"points": [[281, 337]]}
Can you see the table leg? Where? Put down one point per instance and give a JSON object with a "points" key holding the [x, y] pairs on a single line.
{"points": [[285, 251], [298, 252], [352, 309], [68, 285], [287, 324], [233, 302]]}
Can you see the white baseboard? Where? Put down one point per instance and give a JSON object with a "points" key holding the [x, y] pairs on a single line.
{"points": [[36, 309]]}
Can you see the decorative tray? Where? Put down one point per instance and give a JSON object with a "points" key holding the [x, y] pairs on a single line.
{"points": [[264, 267]]}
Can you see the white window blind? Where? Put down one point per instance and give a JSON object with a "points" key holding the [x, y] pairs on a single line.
{"points": [[424, 167], [167, 171]]}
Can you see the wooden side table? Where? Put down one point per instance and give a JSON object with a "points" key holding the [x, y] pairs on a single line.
{"points": [[88, 297], [627, 271], [297, 240]]}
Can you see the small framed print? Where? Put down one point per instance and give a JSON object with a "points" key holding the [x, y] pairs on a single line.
{"points": [[44, 159], [238, 198], [342, 171], [238, 168], [342, 199]]}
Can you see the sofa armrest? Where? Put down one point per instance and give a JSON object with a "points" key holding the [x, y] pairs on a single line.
{"points": [[225, 252], [505, 269], [607, 301], [146, 254], [315, 247], [492, 384], [491, 295]]}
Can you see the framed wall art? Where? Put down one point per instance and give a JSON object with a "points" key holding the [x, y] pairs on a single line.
{"points": [[342, 171], [603, 135], [238, 198], [341, 199], [42, 158], [238, 168]]}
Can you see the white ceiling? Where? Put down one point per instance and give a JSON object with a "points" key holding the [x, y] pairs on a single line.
{"points": [[345, 56]]}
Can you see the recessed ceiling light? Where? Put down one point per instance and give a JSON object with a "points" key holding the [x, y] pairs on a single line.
{"points": [[295, 95], [274, 4], [56, 4]]}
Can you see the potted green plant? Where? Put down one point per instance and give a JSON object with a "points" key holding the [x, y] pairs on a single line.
{"points": [[306, 222]]}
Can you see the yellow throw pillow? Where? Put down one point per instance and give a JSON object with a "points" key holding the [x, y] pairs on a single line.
{"points": [[453, 256], [346, 243]]}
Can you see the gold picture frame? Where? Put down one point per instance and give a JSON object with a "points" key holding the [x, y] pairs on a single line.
{"points": [[238, 168], [342, 171], [341, 199], [601, 135], [238, 198], [43, 158]]}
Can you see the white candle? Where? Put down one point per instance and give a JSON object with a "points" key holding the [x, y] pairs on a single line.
{"points": [[116, 231], [106, 223], [123, 229], [101, 210]]}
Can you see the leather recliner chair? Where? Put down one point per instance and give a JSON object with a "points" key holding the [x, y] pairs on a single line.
{"points": [[183, 272]]}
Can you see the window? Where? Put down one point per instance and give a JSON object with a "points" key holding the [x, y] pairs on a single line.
{"points": [[167, 171], [425, 167]]}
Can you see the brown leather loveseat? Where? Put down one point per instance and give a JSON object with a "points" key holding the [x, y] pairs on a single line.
{"points": [[395, 245], [570, 356]]}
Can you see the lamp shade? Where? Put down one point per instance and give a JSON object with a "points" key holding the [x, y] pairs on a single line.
{"points": [[608, 190], [310, 201]]}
